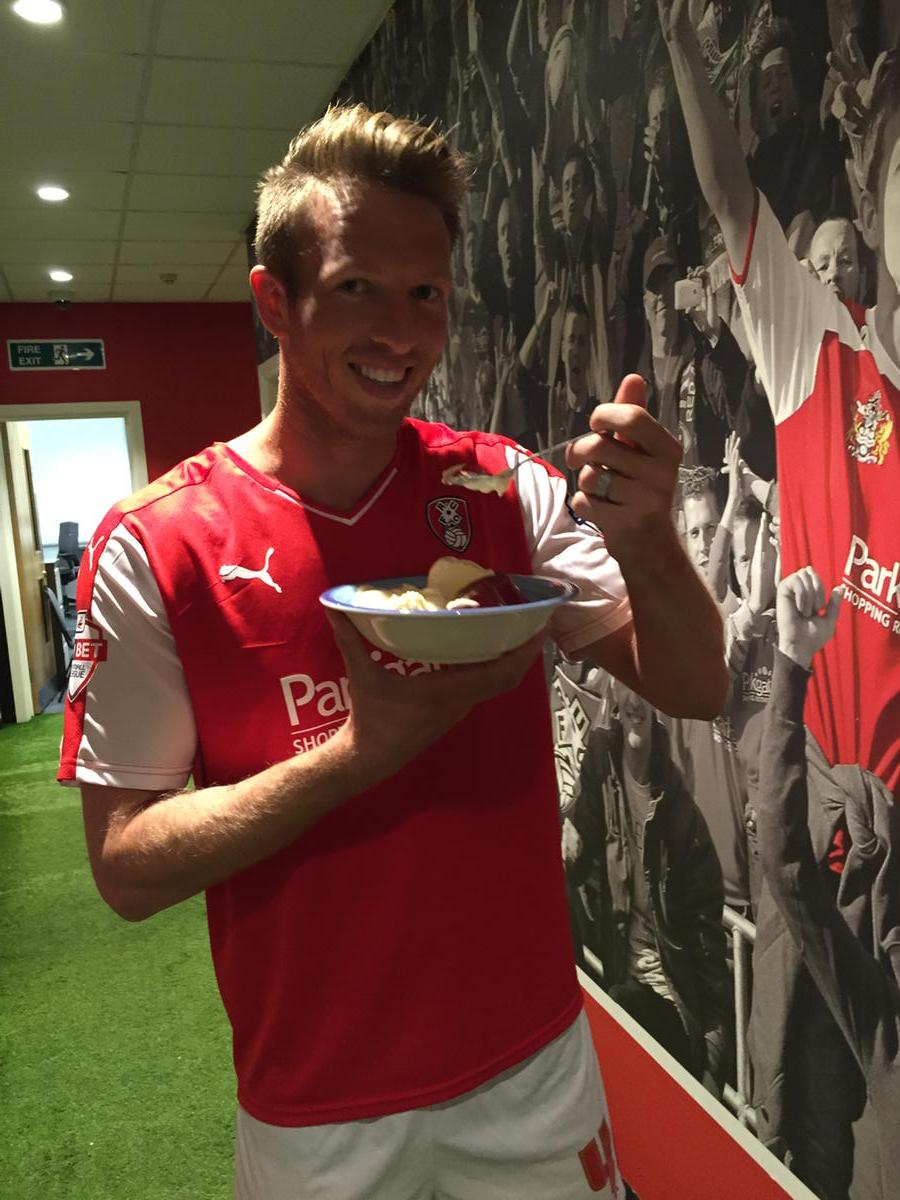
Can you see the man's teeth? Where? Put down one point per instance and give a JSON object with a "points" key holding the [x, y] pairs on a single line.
{"points": [[380, 376]]}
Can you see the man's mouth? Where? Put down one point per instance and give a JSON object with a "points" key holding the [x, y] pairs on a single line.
{"points": [[380, 374]]}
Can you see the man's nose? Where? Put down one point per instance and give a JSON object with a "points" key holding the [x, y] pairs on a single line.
{"points": [[394, 327]]}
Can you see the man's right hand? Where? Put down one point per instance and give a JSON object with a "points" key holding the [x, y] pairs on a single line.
{"points": [[803, 628], [394, 717]]}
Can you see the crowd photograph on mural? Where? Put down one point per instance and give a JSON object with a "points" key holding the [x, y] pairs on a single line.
{"points": [[707, 192]]}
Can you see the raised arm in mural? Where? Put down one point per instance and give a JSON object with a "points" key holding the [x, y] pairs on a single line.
{"points": [[845, 926]]}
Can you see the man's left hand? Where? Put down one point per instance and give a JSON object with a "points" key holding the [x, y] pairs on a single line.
{"points": [[627, 475]]}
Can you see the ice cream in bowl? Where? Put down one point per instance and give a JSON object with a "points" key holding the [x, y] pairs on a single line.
{"points": [[460, 612]]}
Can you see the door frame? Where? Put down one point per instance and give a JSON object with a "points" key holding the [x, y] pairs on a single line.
{"points": [[14, 630]]}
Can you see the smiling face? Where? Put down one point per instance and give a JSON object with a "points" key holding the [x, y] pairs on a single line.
{"points": [[370, 319], [701, 519], [835, 258]]}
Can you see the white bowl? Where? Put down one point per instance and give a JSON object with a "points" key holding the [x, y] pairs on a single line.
{"points": [[462, 635]]}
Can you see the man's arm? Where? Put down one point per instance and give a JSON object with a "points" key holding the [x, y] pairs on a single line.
{"points": [[150, 850], [718, 158], [856, 988], [672, 653]]}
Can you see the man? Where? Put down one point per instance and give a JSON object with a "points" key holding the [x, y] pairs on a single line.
{"points": [[706, 750], [389, 991], [572, 403], [690, 375], [654, 887], [834, 256], [834, 390], [829, 933]]}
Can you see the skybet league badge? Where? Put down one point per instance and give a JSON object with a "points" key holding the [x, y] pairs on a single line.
{"points": [[448, 520], [90, 649]]}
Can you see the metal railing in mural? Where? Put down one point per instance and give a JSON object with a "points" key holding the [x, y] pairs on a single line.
{"points": [[742, 935]]}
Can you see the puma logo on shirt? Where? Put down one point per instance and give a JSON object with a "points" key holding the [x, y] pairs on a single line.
{"points": [[234, 571]]}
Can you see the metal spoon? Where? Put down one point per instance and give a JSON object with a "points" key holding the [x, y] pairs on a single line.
{"points": [[482, 481]]}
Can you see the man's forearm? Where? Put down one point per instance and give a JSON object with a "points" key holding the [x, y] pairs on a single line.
{"points": [[718, 158], [679, 640], [166, 851]]}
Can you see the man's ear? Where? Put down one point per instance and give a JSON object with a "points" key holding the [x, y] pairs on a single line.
{"points": [[271, 300], [868, 219]]}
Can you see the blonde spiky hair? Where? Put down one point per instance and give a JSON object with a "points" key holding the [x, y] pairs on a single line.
{"points": [[348, 146]]}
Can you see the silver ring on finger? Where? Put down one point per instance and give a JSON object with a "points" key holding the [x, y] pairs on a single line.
{"points": [[604, 483]]}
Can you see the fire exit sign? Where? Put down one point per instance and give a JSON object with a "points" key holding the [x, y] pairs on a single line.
{"points": [[49, 354]]}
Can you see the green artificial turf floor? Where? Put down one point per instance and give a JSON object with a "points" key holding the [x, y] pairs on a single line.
{"points": [[115, 1059]]}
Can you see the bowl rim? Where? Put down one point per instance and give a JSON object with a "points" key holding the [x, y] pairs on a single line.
{"points": [[567, 591]]}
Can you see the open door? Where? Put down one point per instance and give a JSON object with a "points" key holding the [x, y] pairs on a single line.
{"points": [[29, 560]]}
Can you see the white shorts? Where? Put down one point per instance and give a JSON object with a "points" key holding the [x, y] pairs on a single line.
{"points": [[539, 1131]]}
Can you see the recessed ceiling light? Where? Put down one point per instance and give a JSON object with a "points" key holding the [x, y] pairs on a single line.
{"points": [[52, 192], [59, 276], [39, 12]]}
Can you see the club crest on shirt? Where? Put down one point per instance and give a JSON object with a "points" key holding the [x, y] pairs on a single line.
{"points": [[870, 431], [448, 520], [89, 650]]}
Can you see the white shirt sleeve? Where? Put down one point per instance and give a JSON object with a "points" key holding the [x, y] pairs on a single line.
{"points": [[138, 729], [787, 311], [562, 549]]}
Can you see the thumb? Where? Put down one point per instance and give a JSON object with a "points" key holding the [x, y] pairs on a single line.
{"points": [[632, 390], [832, 609]]}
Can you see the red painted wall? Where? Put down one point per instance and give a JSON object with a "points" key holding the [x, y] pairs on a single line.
{"points": [[668, 1147], [191, 366]]}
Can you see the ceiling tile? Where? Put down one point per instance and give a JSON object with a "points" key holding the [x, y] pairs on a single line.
{"points": [[178, 226], [229, 291], [270, 30], [97, 189], [161, 291], [21, 273], [58, 223], [243, 95], [201, 276], [75, 252], [191, 193], [104, 25], [189, 149], [85, 87], [88, 292], [234, 274], [174, 253], [239, 256], [54, 146]]}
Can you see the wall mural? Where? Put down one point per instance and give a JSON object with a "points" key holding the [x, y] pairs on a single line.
{"points": [[730, 886]]}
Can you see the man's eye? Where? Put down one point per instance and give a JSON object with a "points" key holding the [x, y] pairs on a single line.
{"points": [[425, 291], [353, 287]]}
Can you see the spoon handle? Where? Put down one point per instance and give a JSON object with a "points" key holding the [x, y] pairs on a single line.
{"points": [[545, 452]]}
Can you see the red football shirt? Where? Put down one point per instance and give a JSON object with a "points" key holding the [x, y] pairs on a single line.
{"points": [[835, 395], [415, 942]]}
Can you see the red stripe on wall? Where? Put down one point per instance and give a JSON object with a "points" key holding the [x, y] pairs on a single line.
{"points": [[668, 1147]]}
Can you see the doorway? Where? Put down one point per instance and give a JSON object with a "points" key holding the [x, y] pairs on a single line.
{"points": [[51, 469]]}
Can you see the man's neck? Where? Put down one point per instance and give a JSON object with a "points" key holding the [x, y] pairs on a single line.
{"points": [[322, 467]]}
